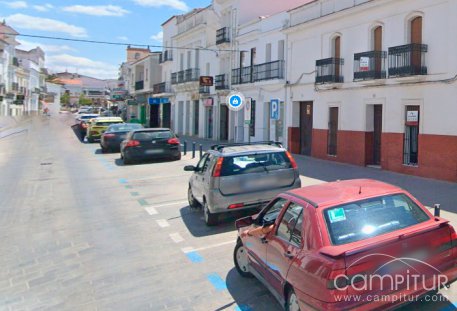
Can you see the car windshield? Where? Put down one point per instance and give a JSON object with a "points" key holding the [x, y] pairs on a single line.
{"points": [[123, 127], [372, 217], [146, 136], [255, 163]]}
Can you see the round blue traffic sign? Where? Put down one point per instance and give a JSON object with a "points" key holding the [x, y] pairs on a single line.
{"points": [[235, 101]]}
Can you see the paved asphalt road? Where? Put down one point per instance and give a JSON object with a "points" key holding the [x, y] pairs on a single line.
{"points": [[81, 231]]}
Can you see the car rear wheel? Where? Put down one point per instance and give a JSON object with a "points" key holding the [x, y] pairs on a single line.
{"points": [[190, 197], [127, 161], [292, 301], [240, 258], [210, 218], [90, 140]]}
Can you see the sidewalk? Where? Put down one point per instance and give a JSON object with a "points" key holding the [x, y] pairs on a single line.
{"points": [[428, 191]]}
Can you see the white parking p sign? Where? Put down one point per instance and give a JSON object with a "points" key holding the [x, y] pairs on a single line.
{"points": [[274, 109]]}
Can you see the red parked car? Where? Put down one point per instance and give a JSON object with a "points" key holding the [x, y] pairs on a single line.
{"points": [[356, 244]]}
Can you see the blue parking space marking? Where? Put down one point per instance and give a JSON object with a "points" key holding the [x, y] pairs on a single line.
{"points": [[218, 283], [243, 308], [123, 181], [194, 257], [451, 307]]}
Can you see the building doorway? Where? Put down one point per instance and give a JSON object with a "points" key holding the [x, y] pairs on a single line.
{"points": [[306, 128], [196, 116], [209, 122], [224, 122], [166, 115], [377, 134], [154, 116], [332, 141]]}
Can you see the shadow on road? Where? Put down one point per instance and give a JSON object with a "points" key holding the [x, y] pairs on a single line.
{"points": [[249, 293], [193, 219], [120, 162], [77, 133]]}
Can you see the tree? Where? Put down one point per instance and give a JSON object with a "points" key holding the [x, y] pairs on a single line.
{"points": [[65, 99], [84, 101]]}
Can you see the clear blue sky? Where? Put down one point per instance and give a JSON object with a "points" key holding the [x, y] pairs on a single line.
{"points": [[127, 21]]}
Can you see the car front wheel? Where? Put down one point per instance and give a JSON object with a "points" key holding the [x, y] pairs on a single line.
{"points": [[240, 258], [292, 301], [210, 218]]}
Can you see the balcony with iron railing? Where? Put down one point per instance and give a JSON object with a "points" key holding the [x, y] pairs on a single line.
{"points": [[370, 65], [22, 90], [15, 86], [139, 85], [221, 82], [166, 56], [15, 62], [192, 74], [222, 35], [161, 88], [204, 90], [257, 73], [329, 70], [407, 60]]}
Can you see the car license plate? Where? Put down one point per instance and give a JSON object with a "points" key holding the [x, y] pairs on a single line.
{"points": [[154, 151]]}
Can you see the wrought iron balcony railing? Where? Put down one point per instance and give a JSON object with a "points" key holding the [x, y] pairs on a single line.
{"points": [[256, 73], [221, 82], [204, 90], [166, 56], [161, 88], [223, 35], [329, 70], [407, 60], [370, 65], [192, 74], [139, 85]]}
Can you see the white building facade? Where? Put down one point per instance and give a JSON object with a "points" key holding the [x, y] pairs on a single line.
{"points": [[374, 83]]}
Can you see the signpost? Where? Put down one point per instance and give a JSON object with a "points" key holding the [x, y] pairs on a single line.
{"points": [[206, 81], [274, 109], [158, 100], [247, 112]]}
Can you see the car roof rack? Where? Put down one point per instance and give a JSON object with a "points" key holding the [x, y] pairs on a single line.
{"points": [[220, 147]]}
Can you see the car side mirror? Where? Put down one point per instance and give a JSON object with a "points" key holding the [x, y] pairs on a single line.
{"points": [[244, 222], [190, 168]]}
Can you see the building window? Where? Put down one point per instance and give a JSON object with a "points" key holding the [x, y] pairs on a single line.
{"points": [[337, 53], [137, 55], [411, 137], [332, 140]]}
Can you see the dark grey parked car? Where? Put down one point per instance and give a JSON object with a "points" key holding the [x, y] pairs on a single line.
{"points": [[151, 143], [115, 134], [240, 176]]}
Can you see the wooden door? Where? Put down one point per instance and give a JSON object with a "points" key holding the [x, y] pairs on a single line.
{"points": [[337, 47], [306, 127], [377, 133], [416, 38]]}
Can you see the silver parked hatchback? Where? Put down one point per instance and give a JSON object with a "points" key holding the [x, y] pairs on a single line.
{"points": [[240, 176]]}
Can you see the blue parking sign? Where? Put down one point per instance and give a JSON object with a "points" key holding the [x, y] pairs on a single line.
{"points": [[274, 109]]}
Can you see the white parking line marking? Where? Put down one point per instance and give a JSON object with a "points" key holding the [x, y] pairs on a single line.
{"points": [[162, 223], [186, 250], [169, 204], [191, 249], [151, 210], [176, 237]]}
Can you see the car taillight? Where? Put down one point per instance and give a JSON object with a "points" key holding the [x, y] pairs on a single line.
{"points": [[93, 132], [173, 141], [218, 167], [108, 135], [291, 159], [233, 206], [453, 236], [132, 143]]}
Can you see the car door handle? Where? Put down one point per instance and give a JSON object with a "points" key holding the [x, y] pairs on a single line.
{"points": [[264, 240], [289, 255]]}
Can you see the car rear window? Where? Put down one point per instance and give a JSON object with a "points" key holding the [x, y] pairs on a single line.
{"points": [[255, 163], [146, 136], [124, 127], [372, 217], [107, 123]]}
